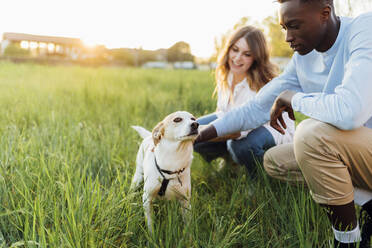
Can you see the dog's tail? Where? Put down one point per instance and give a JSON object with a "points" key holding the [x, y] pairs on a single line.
{"points": [[141, 131]]}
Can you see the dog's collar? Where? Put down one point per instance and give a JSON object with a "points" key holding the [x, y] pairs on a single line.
{"points": [[164, 183]]}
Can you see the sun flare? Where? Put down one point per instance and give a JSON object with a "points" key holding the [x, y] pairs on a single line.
{"points": [[89, 43]]}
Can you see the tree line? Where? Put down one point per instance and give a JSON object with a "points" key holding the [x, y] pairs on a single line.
{"points": [[180, 51]]}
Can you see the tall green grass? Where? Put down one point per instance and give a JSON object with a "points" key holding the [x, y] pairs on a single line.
{"points": [[67, 155]]}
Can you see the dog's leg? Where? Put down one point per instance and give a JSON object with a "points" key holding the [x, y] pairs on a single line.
{"points": [[138, 175], [147, 206], [186, 210], [186, 216], [186, 197]]}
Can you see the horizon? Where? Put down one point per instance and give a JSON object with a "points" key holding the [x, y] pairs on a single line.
{"points": [[142, 24]]}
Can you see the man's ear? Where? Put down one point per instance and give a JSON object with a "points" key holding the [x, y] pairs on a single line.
{"points": [[158, 132], [326, 12]]}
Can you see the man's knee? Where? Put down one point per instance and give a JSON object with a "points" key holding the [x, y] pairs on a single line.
{"points": [[275, 162], [320, 164], [309, 138], [269, 163], [279, 162]]}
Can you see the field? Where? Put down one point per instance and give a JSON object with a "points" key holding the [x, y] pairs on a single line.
{"points": [[67, 156]]}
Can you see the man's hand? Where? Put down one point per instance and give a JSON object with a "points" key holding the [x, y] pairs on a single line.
{"points": [[207, 133], [281, 103]]}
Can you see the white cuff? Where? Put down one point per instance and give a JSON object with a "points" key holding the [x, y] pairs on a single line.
{"points": [[346, 237]]}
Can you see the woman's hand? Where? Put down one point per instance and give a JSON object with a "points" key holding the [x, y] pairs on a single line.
{"points": [[281, 103]]}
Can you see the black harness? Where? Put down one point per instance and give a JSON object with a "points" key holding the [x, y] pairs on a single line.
{"points": [[164, 183]]}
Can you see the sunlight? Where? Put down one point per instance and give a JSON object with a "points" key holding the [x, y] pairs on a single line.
{"points": [[42, 45], [24, 44], [89, 43], [33, 45], [51, 47]]}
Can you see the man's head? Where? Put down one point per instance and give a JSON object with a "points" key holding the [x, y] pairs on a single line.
{"points": [[309, 24]]}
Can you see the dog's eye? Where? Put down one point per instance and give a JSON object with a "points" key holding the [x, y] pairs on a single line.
{"points": [[193, 119], [178, 119]]}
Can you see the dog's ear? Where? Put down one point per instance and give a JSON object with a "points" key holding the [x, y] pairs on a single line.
{"points": [[158, 132]]}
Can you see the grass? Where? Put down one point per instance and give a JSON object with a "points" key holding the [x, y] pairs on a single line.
{"points": [[67, 158]]}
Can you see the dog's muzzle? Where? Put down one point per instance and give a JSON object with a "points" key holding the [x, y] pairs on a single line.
{"points": [[194, 128]]}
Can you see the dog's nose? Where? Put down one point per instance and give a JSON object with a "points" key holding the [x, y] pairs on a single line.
{"points": [[194, 125]]}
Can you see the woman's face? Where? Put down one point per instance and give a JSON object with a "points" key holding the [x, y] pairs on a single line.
{"points": [[240, 57]]}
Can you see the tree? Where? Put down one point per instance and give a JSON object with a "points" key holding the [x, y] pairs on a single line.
{"points": [[276, 37], [123, 56], [180, 51], [14, 50], [220, 42]]}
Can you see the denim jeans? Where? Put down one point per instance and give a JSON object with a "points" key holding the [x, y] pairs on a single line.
{"points": [[246, 151]]}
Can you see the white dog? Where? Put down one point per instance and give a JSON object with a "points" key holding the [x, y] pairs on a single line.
{"points": [[164, 159]]}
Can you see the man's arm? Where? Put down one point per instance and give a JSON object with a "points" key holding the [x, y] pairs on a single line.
{"points": [[208, 132], [350, 106], [255, 112]]}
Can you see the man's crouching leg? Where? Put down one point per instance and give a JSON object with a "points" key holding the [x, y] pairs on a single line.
{"points": [[331, 161], [280, 163]]}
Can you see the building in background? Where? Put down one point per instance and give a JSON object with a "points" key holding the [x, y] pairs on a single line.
{"points": [[18, 44], [20, 47]]}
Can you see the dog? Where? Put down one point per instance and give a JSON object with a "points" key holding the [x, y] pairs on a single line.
{"points": [[164, 159]]}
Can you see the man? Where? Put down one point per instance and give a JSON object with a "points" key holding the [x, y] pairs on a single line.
{"points": [[329, 79]]}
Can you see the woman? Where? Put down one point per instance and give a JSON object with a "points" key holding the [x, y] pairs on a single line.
{"points": [[243, 69]]}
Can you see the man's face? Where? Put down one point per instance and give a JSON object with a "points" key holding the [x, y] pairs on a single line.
{"points": [[304, 24]]}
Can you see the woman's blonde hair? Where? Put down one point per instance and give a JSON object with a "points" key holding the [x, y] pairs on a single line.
{"points": [[260, 72]]}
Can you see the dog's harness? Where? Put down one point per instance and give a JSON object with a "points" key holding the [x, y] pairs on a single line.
{"points": [[164, 183]]}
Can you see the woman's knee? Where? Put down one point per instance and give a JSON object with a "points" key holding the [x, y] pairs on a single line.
{"points": [[239, 147], [243, 153], [204, 148], [197, 147]]}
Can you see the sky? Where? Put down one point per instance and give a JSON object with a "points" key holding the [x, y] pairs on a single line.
{"points": [[149, 24]]}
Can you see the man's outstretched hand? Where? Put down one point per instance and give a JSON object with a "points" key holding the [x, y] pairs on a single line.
{"points": [[209, 133], [206, 133], [282, 103]]}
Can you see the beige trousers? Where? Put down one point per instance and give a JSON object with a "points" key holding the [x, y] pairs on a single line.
{"points": [[330, 160]]}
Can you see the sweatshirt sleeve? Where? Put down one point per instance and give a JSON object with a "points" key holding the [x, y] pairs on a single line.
{"points": [[256, 112], [350, 106]]}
